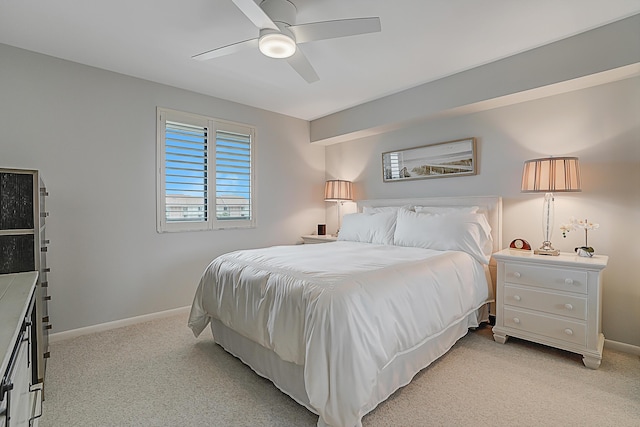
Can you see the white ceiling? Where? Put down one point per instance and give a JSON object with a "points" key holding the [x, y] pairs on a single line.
{"points": [[421, 41]]}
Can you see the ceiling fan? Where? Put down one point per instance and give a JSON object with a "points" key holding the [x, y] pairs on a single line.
{"points": [[279, 36]]}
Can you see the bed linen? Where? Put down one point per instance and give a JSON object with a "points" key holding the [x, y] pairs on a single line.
{"points": [[343, 311]]}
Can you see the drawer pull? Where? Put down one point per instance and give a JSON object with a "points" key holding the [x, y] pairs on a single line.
{"points": [[568, 281], [517, 297], [568, 306], [517, 275], [568, 331], [516, 320]]}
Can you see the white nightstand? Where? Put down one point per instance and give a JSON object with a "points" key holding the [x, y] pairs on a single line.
{"points": [[314, 238], [552, 300]]}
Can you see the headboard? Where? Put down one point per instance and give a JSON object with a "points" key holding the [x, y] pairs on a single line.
{"points": [[491, 206]]}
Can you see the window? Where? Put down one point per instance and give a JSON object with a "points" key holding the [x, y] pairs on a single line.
{"points": [[205, 173]]}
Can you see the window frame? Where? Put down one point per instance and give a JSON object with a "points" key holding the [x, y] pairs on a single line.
{"points": [[212, 125]]}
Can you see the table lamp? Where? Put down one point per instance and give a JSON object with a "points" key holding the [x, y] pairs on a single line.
{"points": [[339, 191], [550, 175]]}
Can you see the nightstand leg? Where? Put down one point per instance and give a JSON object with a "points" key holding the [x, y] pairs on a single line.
{"points": [[591, 362], [500, 338]]}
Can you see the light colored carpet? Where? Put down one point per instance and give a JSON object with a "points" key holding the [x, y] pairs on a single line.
{"points": [[158, 374]]}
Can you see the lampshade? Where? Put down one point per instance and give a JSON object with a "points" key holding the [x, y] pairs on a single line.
{"points": [[551, 175], [337, 190]]}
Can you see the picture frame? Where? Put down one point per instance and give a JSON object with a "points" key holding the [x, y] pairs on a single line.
{"points": [[440, 160]]}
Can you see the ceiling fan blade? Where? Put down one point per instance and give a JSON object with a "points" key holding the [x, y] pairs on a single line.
{"points": [[302, 66], [332, 29], [255, 14], [226, 50]]}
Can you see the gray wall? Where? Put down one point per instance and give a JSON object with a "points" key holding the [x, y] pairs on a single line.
{"points": [[92, 133], [600, 125]]}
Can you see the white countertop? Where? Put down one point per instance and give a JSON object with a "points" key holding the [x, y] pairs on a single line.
{"points": [[15, 293]]}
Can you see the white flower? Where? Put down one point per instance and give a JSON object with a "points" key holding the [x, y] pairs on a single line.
{"points": [[583, 224], [591, 226], [571, 226], [575, 224], [566, 228]]}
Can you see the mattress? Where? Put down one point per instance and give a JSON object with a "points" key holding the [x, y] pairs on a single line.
{"points": [[344, 312]]}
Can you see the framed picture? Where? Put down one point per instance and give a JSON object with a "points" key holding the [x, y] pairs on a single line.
{"points": [[445, 159]]}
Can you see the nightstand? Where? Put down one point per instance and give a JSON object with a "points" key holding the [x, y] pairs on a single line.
{"points": [[314, 238], [552, 300]]}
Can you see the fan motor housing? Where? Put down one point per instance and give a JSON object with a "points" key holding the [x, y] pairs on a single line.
{"points": [[280, 11]]}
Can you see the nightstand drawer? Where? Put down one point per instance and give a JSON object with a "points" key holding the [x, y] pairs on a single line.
{"points": [[547, 277], [552, 327], [539, 300]]}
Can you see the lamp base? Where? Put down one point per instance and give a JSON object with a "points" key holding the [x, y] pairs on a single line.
{"points": [[546, 249], [553, 252]]}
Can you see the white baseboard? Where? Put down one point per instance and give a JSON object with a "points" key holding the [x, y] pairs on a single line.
{"points": [[65, 335], [620, 346]]}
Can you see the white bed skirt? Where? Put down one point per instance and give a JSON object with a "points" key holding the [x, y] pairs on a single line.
{"points": [[289, 377]]}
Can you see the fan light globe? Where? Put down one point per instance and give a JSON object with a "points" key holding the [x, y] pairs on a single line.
{"points": [[277, 45]]}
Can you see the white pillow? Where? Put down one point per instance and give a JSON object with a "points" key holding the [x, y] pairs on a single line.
{"points": [[470, 233], [375, 228], [371, 209], [447, 209]]}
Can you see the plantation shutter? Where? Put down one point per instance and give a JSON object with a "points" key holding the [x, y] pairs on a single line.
{"points": [[233, 175], [186, 173]]}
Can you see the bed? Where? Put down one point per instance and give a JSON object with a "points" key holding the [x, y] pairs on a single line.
{"points": [[340, 326]]}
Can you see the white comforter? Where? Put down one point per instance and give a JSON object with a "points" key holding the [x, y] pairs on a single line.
{"points": [[344, 310]]}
